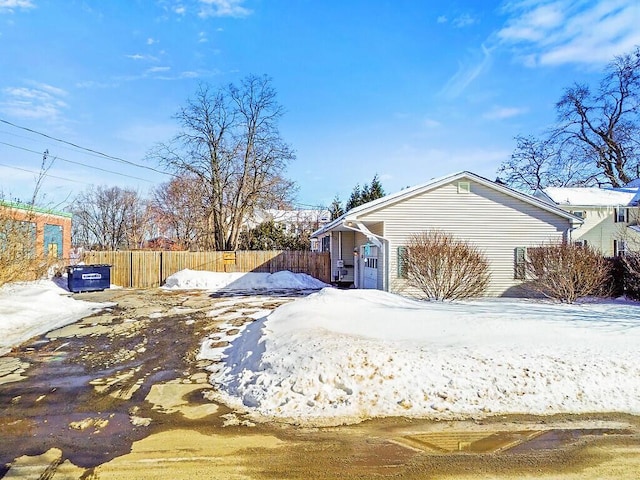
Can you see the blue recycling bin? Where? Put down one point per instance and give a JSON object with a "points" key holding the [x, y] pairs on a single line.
{"points": [[88, 278]]}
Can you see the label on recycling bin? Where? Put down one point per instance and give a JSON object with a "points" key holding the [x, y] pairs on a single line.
{"points": [[91, 276]]}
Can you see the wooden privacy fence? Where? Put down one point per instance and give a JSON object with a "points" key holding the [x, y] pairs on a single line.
{"points": [[147, 269]]}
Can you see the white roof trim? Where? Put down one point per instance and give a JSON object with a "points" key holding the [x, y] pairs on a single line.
{"points": [[387, 200]]}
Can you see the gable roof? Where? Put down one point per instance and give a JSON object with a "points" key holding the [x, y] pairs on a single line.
{"points": [[407, 193], [593, 196]]}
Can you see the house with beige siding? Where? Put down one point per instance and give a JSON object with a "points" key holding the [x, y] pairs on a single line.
{"points": [[610, 215], [501, 222]]}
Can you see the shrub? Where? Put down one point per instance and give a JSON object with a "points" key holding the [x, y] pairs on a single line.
{"points": [[567, 272], [18, 260], [630, 265], [444, 268]]}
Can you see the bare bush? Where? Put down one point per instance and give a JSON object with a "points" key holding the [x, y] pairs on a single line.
{"points": [[444, 268], [567, 272], [18, 258]]}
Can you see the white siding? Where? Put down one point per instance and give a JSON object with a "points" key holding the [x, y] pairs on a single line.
{"points": [[600, 228], [493, 221]]}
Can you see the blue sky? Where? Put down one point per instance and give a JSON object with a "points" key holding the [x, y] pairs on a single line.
{"points": [[408, 90]]}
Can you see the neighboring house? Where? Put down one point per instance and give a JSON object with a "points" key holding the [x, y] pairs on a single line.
{"points": [[610, 215], [293, 221], [50, 230], [501, 222]]}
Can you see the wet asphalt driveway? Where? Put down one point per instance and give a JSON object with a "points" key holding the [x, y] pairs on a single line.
{"points": [[121, 394]]}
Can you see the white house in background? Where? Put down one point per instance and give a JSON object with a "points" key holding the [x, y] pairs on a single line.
{"points": [[501, 222], [610, 215], [292, 221]]}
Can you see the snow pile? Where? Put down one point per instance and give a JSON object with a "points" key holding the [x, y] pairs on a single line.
{"points": [[33, 308], [253, 281], [344, 356]]}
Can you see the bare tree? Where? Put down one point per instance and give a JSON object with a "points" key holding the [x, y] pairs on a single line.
{"points": [[180, 213], [230, 142], [109, 218], [596, 140], [537, 163], [604, 126]]}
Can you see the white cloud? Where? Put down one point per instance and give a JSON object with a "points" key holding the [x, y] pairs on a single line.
{"points": [[151, 41], [467, 73], [158, 69], [42, 101], [431, 123], [140, 57], [501, 113], [223, 8], [463, 20], [555, 32], [442, 19], [8, 6], [202, 37], [94, 84], [180, 9]]}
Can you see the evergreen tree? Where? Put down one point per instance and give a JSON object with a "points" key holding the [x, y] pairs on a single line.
{"points": [[365, 194], [375, 189], [335, 209], [270, 235], [355, 199]]}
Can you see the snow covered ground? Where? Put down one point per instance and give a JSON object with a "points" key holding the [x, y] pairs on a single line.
{"points": [[343, 356], [33, 308], [340, 356]]}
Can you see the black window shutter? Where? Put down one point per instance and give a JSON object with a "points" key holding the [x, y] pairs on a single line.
{"points": [[402, 262]]}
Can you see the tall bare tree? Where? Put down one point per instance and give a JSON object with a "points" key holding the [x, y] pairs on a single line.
{"points": [[539, 162], [230, 142], [604, 125], [596, 140], [109, 218]]}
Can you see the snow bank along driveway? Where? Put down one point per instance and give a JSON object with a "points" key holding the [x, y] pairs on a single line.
{"points": [[343, 356]]}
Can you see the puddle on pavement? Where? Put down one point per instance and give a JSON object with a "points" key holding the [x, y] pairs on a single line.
{"points": [[518, 441], [175, 397]]}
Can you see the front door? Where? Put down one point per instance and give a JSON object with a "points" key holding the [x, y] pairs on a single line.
{"points": [[369, 259]]}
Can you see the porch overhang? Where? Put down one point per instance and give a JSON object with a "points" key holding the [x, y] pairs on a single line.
{"points": [[360, 227]]}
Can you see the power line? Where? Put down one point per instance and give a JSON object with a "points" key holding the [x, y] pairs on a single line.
{"points": [[76, 163], [110, 157], [47, 174]]}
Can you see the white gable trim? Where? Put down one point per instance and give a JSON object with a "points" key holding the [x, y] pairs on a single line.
{"points": [[353, 214]]}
